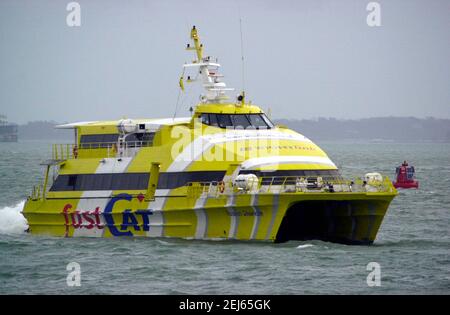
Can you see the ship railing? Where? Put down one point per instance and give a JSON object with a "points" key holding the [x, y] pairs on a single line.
{"points": [[291, 184], [62, 151], [97, 149], [285, 184], [37, 192], [111, 145]]}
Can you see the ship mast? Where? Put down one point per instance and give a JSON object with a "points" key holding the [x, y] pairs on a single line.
{"points": [[209, 72]]}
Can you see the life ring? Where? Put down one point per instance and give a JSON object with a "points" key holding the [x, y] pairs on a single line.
{"points": [[75, 151], [221, 186]]}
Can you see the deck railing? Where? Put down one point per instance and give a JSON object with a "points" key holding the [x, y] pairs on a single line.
{"points": [[97, 149], [274, 185], [37, 192], [291, 184], [62, 151]]}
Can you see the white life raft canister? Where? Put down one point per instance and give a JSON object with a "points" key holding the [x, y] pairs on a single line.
{"points": [[246, 181], [127, 126], [373, 178]]}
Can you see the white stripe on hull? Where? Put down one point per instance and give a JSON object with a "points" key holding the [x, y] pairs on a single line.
{"points": [[202, 218], [156, 224], [203, 143], [257, 217], [89, 205], [113, 165], [286, 159], [157, 218]]}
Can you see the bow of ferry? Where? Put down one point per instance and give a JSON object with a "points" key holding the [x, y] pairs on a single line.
{"points": [[225, 173]]}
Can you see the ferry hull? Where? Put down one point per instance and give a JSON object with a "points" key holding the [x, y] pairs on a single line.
{"points": [[349, 218]]}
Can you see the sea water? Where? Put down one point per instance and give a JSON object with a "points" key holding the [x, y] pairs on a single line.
{"points": [[411, 249]]}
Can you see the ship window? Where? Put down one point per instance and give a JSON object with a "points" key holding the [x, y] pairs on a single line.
{"points": [[140, 139], [213, 120], [172, 180], [177, 179], [104, 180], [72, 180], [83, 182], [224, 120], [107, 140], [267, 120], [131, 181], [245, 121], [240, 121], [97, 141], [205, 119], [257, 121]]}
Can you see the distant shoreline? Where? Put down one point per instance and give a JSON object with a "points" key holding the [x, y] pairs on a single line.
{"points": [[373, 130], [378, 129]]}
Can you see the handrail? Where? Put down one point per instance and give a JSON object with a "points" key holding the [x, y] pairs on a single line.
{"points": [[293, 184], [62, 151], [73, 151], [105, 145], [37, 192]]}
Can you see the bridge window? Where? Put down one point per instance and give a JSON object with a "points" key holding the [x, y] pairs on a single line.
{"points": [[240, 121], [267, 121], [257, 121], [224, 120], [213, 120], [244, 121]]}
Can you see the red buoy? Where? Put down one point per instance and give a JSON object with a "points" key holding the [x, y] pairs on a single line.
{"points": [[405, 177]]}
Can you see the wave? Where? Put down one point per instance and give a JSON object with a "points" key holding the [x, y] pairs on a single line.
{"points": [[422, 243], [11, 219], [304, 246]]}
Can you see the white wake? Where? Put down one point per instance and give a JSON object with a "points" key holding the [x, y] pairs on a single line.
{"points": [[11, 220], [304, 246]]}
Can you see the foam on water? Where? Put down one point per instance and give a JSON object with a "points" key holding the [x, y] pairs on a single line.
{"points": [[11, 220], [304, 246]]}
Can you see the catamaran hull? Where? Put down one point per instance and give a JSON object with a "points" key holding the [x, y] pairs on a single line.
{"points": [[349, 218]]}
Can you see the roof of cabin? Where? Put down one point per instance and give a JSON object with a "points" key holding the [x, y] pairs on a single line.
{"points": [[156, 122]]}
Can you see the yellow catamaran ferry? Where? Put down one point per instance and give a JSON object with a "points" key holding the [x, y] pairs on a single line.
{"points": [[227, 172]]}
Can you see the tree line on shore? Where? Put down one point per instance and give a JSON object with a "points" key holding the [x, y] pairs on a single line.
{"points": [[408, 129]]}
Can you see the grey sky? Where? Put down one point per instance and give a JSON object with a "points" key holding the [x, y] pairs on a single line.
{"points": [[304, 59]]}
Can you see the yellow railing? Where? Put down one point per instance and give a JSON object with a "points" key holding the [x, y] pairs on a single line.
{"points": [[291, 184], [62, 151], [37, 192]]}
